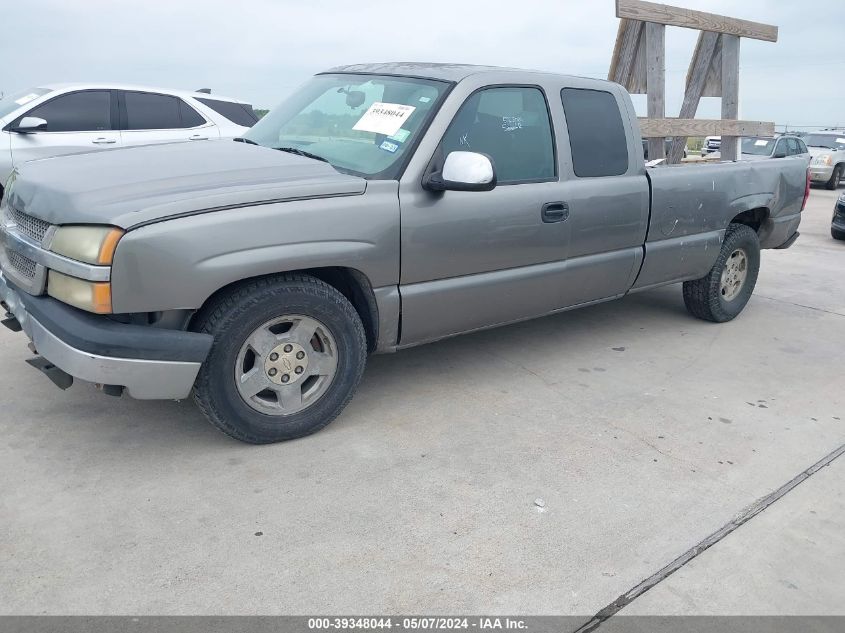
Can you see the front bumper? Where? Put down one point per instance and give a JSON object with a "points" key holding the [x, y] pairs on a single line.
{"points": [[151, 363], [821, 173]]}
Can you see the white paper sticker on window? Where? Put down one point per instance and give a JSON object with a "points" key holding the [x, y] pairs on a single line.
{"points": [[761, 142], [840, 140], [26, 98], [384, 118]]}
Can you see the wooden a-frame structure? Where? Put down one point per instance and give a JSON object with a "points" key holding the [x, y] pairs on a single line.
{"points": [[638, 63]]}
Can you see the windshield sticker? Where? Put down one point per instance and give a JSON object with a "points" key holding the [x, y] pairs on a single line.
{"points": [[387, 146], [840, 140], [511, 123], [761, 142], [384, 118], [424, 99], [401, 136], [26, 98]]}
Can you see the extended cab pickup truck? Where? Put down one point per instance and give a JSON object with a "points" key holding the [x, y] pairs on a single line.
{"points": [[379, 207]]}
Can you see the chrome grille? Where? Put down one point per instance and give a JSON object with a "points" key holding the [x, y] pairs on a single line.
{"points": [[23, 265], [33, 228]]}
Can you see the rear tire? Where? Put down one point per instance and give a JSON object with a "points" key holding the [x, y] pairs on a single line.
{"points": [[837, 234], [835, 177], [247, 387], [721, 295]]}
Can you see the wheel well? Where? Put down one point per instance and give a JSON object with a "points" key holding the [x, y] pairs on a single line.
{"points": [[753, 218], [351, 283]]}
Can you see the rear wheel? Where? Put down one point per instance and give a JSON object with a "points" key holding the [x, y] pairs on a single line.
{"points": [[837, 234], [721, 295], [835, 177], [288, 354]]}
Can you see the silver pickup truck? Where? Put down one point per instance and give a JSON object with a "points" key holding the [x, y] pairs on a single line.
{"points": [[379, 207]]}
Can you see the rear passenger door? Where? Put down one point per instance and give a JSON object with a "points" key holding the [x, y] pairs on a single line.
{"points": [[607, 192], [79, 121], [148, 117]]}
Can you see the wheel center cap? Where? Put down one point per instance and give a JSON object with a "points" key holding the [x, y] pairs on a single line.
{"points": [[286, 363]]}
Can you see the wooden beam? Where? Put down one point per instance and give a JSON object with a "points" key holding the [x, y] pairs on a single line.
{"points": [[657, 128], [699, 70], [730, 93], [625, 51], [713, 85], [687, 18], [655, 47]]}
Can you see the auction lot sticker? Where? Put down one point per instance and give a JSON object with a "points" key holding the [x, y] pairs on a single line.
{"points": [[384, 118]]}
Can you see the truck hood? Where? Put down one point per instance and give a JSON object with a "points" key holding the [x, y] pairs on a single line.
{"points": [[135, 185]]}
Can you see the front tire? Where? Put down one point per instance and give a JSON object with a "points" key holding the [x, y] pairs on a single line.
{"points": [[288, 354], [835, 177], [721, 295], [837, 234]]}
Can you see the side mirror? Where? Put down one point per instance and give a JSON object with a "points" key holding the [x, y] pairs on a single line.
{"points": [[779, 155], [463, 171], [30, 124]]}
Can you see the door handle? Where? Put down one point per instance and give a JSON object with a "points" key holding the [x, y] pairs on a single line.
{"points": [[554, 212], [197, 137], [103, 141]]}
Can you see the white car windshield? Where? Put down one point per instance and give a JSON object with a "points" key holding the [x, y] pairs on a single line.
{"points": [[10, 103], [361, 124], [828, 141]]}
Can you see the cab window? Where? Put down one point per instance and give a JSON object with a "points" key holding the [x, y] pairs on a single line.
{"points": [[511, 125]]}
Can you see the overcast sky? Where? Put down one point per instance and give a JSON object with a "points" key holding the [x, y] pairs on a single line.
{"points": [[260, 50]]}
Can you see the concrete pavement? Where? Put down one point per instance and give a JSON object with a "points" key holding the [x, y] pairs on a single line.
{"points": [[641, 428]]}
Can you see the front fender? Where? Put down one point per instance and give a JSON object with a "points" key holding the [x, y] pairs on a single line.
{"points": [[179, 263]]}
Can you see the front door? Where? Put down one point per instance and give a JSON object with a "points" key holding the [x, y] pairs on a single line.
{"points": [[78, 121], [473, 259]]}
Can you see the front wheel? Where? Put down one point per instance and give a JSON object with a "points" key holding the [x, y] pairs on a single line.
{"points": [[837, 234], [287, 356], [721, 295]]}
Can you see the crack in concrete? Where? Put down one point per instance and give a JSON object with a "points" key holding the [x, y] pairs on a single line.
{"points": [[743, 517], [801, 305]]}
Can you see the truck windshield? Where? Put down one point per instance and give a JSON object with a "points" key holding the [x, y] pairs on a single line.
{"points": [[757, 146], [361, 124], [828, 141], [10, 103]]}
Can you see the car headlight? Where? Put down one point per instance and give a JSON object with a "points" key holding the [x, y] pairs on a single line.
{"points": [[91, 296], [89, 244], [824, 159]]}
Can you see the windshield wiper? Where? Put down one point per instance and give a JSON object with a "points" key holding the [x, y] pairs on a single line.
{"points": [[822, 146], [301, 152], [241, 139]]}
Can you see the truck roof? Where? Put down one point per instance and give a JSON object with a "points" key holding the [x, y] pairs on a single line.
{"points": [[432, 70]]}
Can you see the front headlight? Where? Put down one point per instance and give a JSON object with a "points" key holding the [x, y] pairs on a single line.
{"points": [[824, 159], [87, 295], [89, 244]]}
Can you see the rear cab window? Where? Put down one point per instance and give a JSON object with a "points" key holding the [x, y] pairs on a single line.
{"points": [[237, 113], [597, 137]]}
